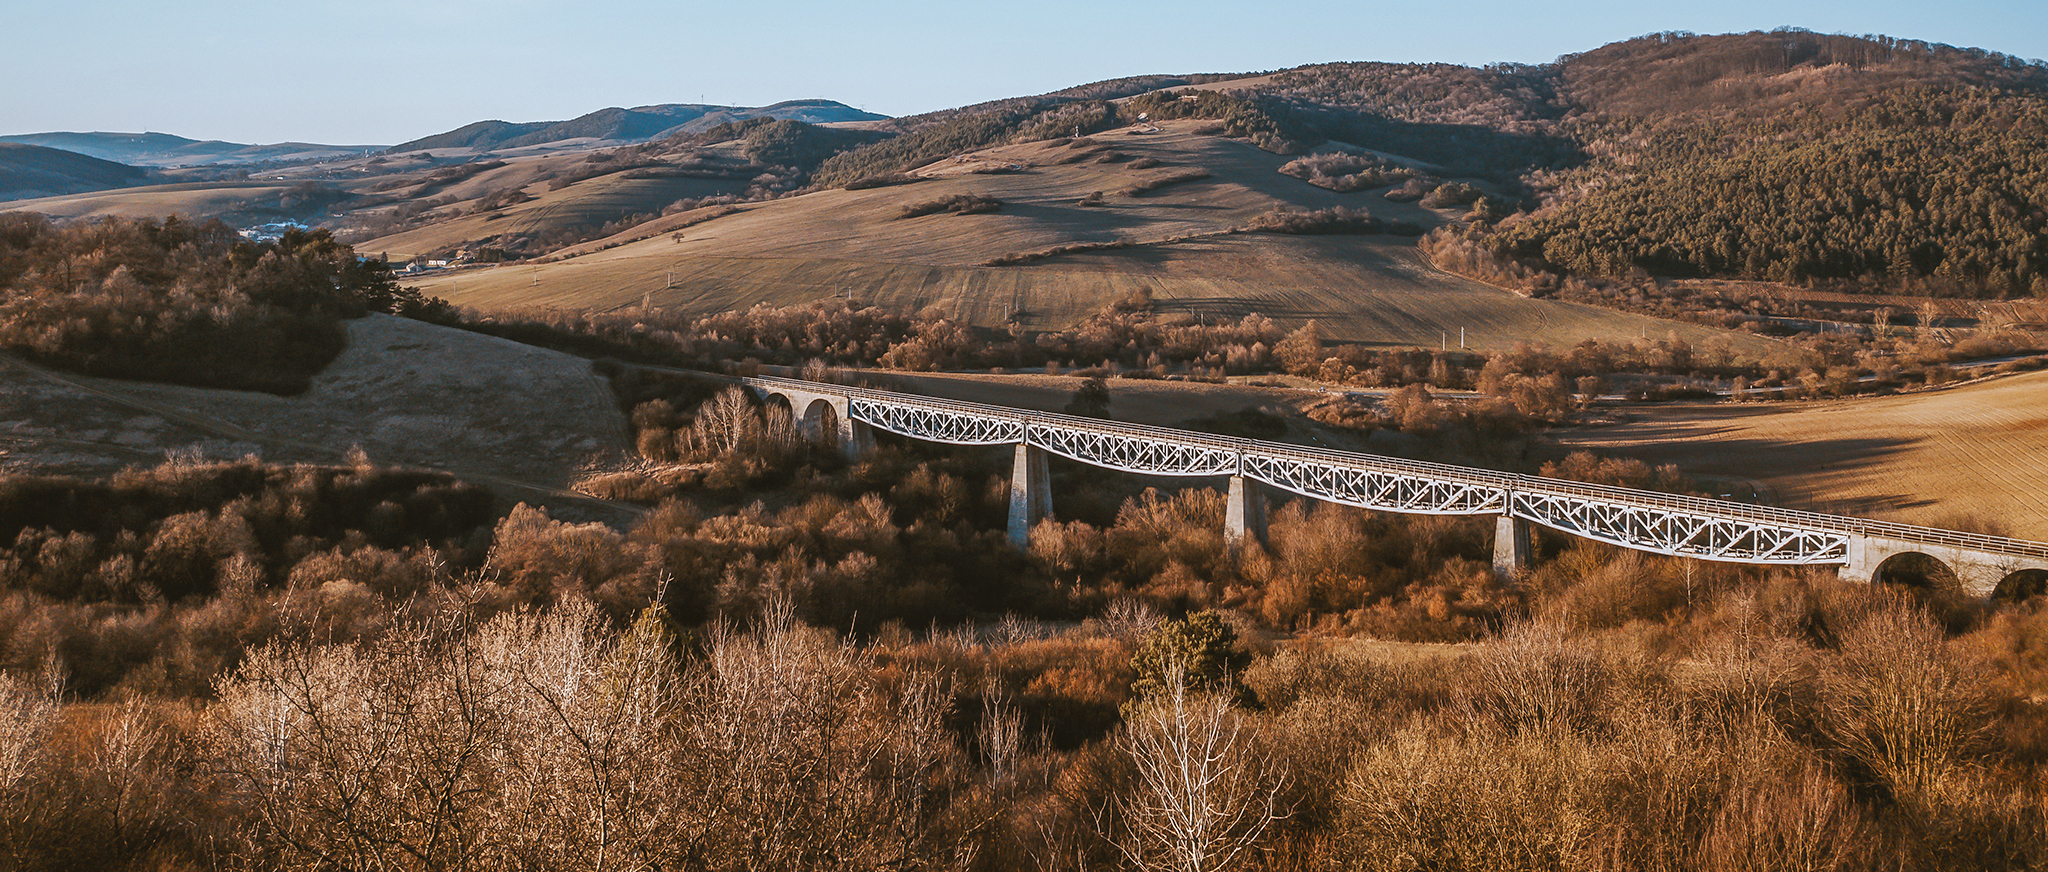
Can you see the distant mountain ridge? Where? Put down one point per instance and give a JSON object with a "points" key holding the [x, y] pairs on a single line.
{"points": [[637, 124], [167, 150], [36, 171]]}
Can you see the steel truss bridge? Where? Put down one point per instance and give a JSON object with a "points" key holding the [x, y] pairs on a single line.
{"points": [[1661, 523]]}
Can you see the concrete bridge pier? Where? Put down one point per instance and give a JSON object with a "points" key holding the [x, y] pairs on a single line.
{"points": [[825, 416], [1871, 559], [1513, 547], [1030, 492], [857, 439], [1245, 513]]}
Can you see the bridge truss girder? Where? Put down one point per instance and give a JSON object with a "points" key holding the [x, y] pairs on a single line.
{"points": [[1373, 488], [1141, 454], [1668, 531], [1640, 520], [936, 424]]}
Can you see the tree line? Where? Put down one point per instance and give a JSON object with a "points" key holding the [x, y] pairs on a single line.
{"points": [[185, 302]]}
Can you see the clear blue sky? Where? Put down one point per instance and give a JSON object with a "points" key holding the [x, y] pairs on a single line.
{"points": [[383, 71]]}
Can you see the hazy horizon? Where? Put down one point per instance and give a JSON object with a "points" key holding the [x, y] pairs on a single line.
{"points": [[388, 72]]}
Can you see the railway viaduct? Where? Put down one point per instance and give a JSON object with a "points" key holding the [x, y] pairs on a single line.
{"points": [[1706, 529]]}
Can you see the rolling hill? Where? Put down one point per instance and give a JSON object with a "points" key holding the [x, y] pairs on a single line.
{"points": [[1670, 155], [28, 171], [639, 124], [238, 202], [1372, 289], [166, 150]]}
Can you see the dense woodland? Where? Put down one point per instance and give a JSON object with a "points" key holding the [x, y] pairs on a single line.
{"points": [[183, 302]]}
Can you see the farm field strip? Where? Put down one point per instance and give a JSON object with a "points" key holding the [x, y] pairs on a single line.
{"points": [[1919, 458]]}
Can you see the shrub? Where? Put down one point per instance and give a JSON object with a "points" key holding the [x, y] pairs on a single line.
{"points": [[958, 204], [1146, 186], [883, 181], [1198, 653], [1336, 219], [1411, 190], [1344, 172], [1450, 194]]}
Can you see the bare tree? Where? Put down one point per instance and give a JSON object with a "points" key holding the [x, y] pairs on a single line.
{"points": [[803, 760], [1205, 795], [26, 719]]}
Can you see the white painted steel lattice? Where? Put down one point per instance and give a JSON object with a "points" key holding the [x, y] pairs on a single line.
{"points": [[1644, 520], [1133, 453], [1665, 531], [937, 424], [1357, 485]]}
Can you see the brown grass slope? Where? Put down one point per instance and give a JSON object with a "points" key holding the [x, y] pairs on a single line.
{"points": [[1927, 458], [837, 242], [234, 202], [33, 171], [406, 392], [589, 203]]}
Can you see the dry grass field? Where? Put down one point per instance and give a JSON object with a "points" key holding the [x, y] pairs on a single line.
{"points": [[591, 202], [407, 393], [1974, 455], [852, 243], [231, 201]]}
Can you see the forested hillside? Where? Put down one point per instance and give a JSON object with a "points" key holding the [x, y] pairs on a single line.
{"points": [[1794, 157], [182, 302], [1782, 156]]}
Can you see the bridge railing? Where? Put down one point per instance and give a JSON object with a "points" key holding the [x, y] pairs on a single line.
{"points": [[1509, 481]]}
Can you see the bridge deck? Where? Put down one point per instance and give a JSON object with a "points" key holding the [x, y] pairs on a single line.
{"points": [[1509, 486]]}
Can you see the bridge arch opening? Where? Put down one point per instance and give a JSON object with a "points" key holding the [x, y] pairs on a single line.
{"points": [[1918, 572], [2021, 586], [820, 422]]}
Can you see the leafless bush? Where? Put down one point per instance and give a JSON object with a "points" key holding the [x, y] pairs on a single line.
{"points": [[1536, 677], [805, 763], [547, 741], [1901, 703], [883, 181], [1347, 172], [1429, 799], [958, 204], [1799, 820], [1206, 794], [1129, 618], [1336, 219], [1145, 186]]}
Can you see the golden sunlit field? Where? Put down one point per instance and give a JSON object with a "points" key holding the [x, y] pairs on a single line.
{"points": [[1374, 289], [1935, 458]]}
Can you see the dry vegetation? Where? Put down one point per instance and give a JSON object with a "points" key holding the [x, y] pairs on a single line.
{"points": [[799, 660], [1967, 456], [385, 683], [179, 302], [957, 204]]}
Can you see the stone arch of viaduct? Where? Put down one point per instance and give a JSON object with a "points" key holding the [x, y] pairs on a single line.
{"points": [[1644, 520]]}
